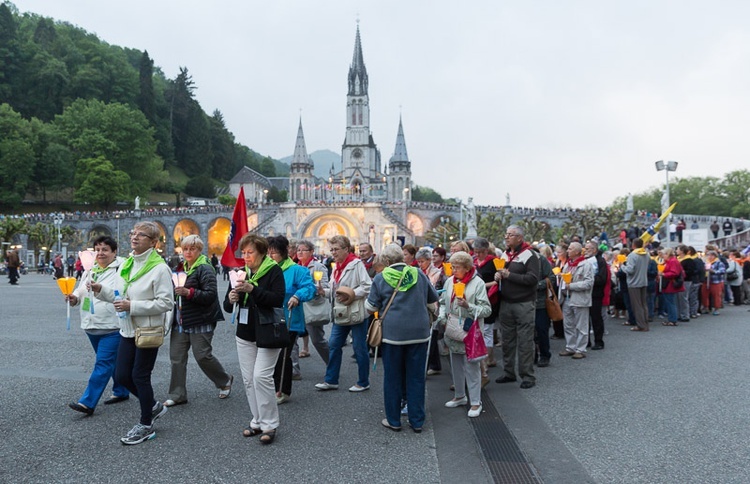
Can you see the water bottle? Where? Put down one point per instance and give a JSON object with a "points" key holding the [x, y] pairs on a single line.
{"points": [[120, 314]]}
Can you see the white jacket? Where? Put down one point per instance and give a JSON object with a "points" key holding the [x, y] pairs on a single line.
{"points": [[151, 296], [105, 315], [354, 276]]}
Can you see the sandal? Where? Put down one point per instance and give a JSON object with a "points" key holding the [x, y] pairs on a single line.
{"points": [[225, 391], [251, 431], [267, 437], [665, 323], [304, 354]]}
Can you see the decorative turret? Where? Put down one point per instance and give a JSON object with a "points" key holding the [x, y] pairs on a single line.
{"points": [[399, 167], [301, 178]]}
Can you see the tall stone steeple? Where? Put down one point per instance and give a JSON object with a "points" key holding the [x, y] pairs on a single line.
{"points": [[359, 154], [399, 168], [301, 179]]}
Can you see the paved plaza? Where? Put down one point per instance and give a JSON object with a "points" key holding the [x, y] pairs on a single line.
{"points": [[668, 406]]}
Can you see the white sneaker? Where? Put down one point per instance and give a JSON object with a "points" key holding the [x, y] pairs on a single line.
{"points": [[326, 386], [356, 388], [475, 413], [457, 403]]}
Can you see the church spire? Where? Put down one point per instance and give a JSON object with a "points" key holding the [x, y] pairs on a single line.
{"points": [[400, 154], [300, 150], [357, 71]]}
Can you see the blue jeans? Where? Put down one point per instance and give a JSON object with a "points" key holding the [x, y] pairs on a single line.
{"points": [[359, 343], [541, 336], [133, 371], [105, 347], [670, 305], [403, 366]]}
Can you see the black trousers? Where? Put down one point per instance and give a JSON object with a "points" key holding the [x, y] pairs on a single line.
{"points": [[433, 358], [282, 375], [597, 322]]}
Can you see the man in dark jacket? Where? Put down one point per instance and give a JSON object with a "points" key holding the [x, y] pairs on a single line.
{"points": [[518, 282], [541, 318], [601, 277]]}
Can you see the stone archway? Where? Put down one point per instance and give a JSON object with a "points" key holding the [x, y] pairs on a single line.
{"points": [[218, 234], [182, 229], [322, 226], [98, 231]]}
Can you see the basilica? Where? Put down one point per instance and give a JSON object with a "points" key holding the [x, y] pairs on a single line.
{"points": [[362, 198]]}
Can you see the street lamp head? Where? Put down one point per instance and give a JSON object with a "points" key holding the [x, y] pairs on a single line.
{"points": [[659, 165], [672, 166]]}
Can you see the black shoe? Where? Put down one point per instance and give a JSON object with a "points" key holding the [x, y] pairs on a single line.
{"points": [[81, 408], [597, 347], [543, 362], [505, 379], [115, 399], [527, 384]]}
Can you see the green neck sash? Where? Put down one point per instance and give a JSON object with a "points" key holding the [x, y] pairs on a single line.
{"points": [[265, 266], [287, 263], [392, 277], [201, 260], [152, 261], [97, 270]]}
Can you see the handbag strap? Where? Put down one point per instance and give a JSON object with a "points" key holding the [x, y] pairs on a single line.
{"points": [[393, 296]]}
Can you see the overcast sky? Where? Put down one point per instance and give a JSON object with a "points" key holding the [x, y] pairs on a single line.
{"points": [[555, 102]]}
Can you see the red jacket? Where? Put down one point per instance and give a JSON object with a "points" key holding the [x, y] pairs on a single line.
{"points": [[672, 269]]}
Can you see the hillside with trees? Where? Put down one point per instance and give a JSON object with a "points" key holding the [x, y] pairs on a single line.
{"points": [[98, 123]]}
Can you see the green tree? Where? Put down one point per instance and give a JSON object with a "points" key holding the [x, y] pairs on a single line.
{"points": [[197, 157], [117, 133], [201, 186], [10, 227], [223, 164], [146, 98], [267, 167], [16, 156], [736, 187], [276, 195], [426, 194], [492, 225], [54, 168], [9, 53], [100, 183]]}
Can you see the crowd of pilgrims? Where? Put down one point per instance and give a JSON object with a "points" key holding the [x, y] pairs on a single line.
{"points": [[427, 299]]}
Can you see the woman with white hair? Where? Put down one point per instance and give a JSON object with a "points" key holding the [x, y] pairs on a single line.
{"points": [[195, 318], [401, 294], [457, 314]]}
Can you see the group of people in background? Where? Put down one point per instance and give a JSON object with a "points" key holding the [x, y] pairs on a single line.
{"points": [[426, 299]]}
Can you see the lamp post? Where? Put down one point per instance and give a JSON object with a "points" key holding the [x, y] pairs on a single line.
{"points": [[460, 219], [666, 167], [443, 222], [58, 220]]}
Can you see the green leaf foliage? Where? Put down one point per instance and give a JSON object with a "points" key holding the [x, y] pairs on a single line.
{"points": [[100, 183]]}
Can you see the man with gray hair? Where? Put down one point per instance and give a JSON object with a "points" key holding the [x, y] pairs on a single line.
{"points": [[518, 280], [577, 283]]}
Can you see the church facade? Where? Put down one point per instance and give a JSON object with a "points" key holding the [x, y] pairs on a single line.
{"points": [[361, 198]]}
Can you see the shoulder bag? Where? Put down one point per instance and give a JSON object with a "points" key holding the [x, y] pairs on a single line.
{"points": [[317, 311], [148, 338], [554, 311], [375, 331], [271, 330]]}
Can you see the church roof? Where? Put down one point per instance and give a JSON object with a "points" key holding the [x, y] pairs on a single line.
{"points": [[300, 150], [248, 175], [400, 154]]}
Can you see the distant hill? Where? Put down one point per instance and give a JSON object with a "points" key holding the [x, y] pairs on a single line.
{"points": [[322, 160]]}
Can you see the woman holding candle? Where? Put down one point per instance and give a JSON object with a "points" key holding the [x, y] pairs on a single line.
{"points": [[319, 274], [464, 299], [197, 312], [101, 326], [264, 288], [348, 291]]}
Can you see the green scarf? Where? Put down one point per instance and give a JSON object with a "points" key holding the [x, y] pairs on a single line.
{"points": [[392, 277], [287, 263], [98, 270], [152, 261], [265, 266], [201, 260]]}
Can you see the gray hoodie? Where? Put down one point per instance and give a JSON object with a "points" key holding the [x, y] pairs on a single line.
{"points": [[636, 268]]}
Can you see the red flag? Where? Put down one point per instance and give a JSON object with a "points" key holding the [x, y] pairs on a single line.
{"points": [[239, 228]]}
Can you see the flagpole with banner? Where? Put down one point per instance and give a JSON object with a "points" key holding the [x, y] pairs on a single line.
{"points": [[232, 256]]}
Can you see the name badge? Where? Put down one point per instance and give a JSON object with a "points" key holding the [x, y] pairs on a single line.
{"points": [[243, 315], [86, 305]]}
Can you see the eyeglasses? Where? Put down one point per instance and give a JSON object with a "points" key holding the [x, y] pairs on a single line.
{"points": [[507, 236], [138, 235], [304, 250]]}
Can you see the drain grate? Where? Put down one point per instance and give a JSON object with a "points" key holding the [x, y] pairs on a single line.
{"points": [[506, 461]]}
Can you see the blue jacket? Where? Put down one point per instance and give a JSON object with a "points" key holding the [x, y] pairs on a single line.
{"points": [[298, 283]]}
